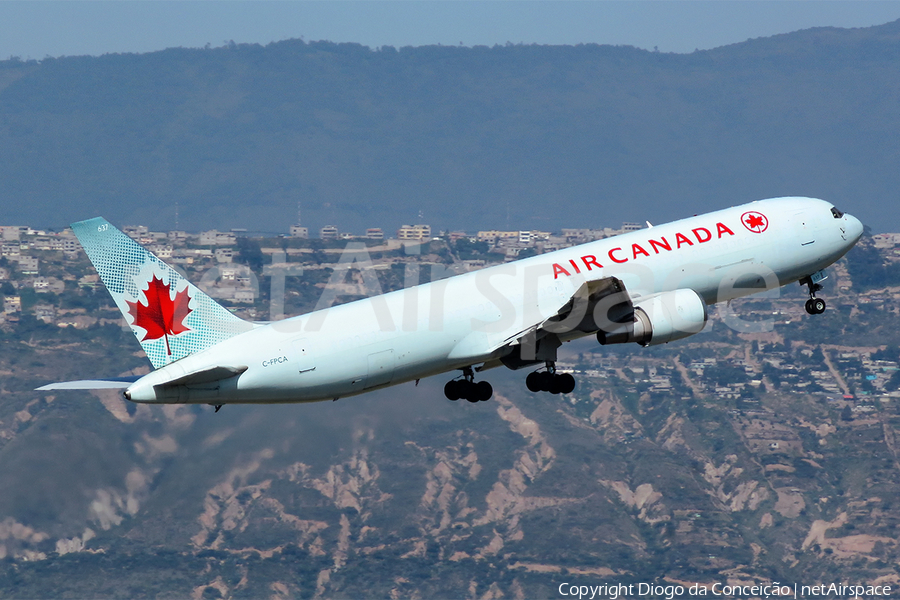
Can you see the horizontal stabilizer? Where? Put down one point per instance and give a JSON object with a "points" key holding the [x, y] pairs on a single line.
{"points": [[114, 383]]}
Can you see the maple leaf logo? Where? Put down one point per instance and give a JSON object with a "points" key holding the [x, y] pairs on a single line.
{"points": [[162, 316], [755, 221]]}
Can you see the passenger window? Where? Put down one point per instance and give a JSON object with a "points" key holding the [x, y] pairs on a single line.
{"points": [[837, 214]]}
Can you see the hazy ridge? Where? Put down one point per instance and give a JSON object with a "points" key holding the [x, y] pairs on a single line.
{"points": [[519, 136]]}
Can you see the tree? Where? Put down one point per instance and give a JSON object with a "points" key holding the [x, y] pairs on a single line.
{"points": [[250, 253], [847, 414], [890, 352]]}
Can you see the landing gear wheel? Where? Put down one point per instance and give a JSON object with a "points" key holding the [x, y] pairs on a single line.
{"points": [[566, 383], [818, 306], [451, 390], [468, 389], [483, 391], [547, 381], [554, 387], [810, 308], [814, 306], [533, 382]]}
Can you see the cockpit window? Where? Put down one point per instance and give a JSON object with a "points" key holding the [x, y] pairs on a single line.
{"points": [[837, 214]]}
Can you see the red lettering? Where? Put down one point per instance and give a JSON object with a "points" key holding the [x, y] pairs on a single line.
{"points": [[636, 249], [614, 259], [558, 270], [722, 228], [656, 245], [589, 260], [704, 230], [680, 239], [574, 266]]}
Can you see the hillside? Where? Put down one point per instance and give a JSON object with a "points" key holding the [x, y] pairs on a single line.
{"points": [[768, 455], [523, 137]]}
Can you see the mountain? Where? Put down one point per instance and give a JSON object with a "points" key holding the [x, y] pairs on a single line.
{"points": [[519, 137]]}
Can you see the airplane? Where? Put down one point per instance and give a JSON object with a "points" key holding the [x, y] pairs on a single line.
{"points": [[650, 286]]}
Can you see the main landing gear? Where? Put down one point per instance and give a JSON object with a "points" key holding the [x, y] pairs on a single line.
{"points": [[468, 389], [814, 306], [550, 381]]}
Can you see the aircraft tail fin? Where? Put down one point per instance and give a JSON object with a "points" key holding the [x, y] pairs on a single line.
{"points": [[170, 317]]}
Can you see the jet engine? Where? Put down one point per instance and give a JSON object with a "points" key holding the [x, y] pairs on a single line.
{"points": [[659, 318]]}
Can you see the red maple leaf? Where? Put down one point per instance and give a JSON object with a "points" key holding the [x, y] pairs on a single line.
{"points": [[754, 221], [161, 316]]}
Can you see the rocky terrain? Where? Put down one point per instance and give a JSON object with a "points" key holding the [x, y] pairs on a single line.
{"points": [[727, 457]]}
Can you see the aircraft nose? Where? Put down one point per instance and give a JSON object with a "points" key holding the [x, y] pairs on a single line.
{"points": [[854, 228]]}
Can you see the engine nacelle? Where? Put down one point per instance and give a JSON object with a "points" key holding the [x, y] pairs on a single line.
{"points": [[660, 318]]}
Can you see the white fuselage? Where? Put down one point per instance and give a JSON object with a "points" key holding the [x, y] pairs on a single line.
{"points": [[465, 320]]}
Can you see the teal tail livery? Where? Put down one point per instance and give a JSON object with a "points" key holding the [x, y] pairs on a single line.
{"points": [[170, 317]]}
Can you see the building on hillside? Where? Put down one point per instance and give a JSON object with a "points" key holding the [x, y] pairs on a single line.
{"points": [[374, 233], [28, 265], [493, 236], [244, 295], [581, 236], [41, 242], [329, 232], [528, 238], [11, 232], [12, 304], [228, 273], [44, 312], [414, 232], [12, 251], [161, 250], [299, 232], [886, 240], [224, 255], [66, 244], [135, 232], [217, 238]]}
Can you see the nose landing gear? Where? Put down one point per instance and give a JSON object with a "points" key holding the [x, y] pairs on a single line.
{"points": [[550, 381], [814, 306], [468, 389]]}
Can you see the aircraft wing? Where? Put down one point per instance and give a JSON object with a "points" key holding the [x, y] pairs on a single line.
{"points": [[605, 299]]}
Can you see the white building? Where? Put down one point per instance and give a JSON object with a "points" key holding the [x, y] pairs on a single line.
{"points": [[28, 265]]}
